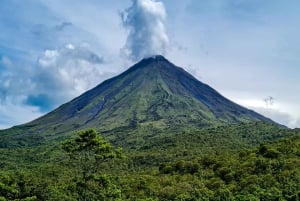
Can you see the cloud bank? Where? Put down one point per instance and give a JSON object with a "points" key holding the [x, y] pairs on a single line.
{"points": [[58, 75], [278, 116], [272, 108], [145, 22], [66, 72]]}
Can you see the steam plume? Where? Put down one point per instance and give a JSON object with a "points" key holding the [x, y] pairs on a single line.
{"points": [[147, 33]]}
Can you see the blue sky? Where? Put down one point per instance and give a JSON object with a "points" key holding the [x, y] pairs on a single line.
{"points": [[53, 50]]}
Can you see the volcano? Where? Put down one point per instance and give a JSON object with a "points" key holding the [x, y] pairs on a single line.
{"points": [[154, 93]]}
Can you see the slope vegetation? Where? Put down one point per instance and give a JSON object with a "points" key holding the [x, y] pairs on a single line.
{"points": [[151, 97]]}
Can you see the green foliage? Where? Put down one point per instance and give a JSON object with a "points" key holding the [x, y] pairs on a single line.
{"points": [[15, 188], [88, 152], [181, 167], [195, 166]]}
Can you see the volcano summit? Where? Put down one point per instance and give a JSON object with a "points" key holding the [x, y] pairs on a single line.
{"points": [[154, 93]]}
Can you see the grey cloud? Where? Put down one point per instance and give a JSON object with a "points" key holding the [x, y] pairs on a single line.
{"points": [[42, 29], [63, 25], [81, 53], [47, 36], [38, 29]]}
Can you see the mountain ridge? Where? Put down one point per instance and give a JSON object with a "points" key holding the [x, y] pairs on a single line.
{"points": [[152, 93]]}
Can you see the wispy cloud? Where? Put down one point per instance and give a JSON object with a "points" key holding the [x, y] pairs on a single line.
{"points": [[145, 22]]}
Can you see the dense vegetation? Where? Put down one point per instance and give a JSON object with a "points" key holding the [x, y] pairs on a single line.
{"points": [[198, 165]]}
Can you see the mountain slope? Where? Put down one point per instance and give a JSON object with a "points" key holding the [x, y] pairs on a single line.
{"points": [[153, 93]]}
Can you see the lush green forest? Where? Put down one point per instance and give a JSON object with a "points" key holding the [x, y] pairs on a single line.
{"points": [[212, 164]]}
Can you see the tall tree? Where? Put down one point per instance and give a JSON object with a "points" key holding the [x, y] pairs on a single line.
{"points": [[87, 152]]}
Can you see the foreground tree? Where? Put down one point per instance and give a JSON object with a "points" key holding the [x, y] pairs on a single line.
{"points": [[87, 152]]}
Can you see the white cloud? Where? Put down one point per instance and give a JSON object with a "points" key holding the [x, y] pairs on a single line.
{"points": [[145, 21], [279, 116], [58, 76], [277, 111], [68, 72]]}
